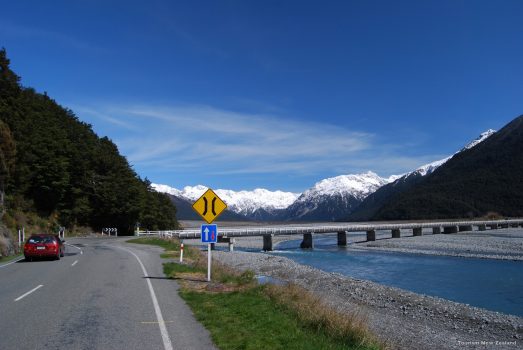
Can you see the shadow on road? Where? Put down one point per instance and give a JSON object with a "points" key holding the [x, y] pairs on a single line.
{"points": [[157, 278], [71, 254], [176, 278]]}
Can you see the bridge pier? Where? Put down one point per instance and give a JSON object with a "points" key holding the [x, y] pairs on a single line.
{"points": [[436, 230], [371, 235], [342, 238], [482, 227], [450, 229], [228, 240], [514, 225], [267, 243], [307, 242], [396, 233], [465, 228], [493, 226], [503, 225], [417, 231]]}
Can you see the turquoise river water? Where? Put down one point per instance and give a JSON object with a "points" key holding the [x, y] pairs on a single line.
{"points": [[490, 284]]}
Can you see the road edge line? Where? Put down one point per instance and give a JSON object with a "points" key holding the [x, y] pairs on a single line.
{"points": [[12, 262], [72, 245], [161, 323]]}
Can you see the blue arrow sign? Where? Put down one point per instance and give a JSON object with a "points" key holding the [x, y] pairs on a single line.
{"points": [[209, 233]]}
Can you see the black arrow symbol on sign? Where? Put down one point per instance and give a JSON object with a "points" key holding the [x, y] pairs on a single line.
{"points": [[205, 209], [213, 203]]}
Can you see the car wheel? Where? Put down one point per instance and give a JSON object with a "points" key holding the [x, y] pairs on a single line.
{"points": [[28, 258]]}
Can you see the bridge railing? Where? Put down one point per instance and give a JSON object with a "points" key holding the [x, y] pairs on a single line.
{"points": [[302, 229], [162, 234]]}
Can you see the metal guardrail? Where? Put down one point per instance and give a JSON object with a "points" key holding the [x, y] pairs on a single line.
{"points": [[302, 229]]}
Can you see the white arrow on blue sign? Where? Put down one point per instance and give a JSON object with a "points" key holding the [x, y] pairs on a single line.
{"points": [[209, 233]]}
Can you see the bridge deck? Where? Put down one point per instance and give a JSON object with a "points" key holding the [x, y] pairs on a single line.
{"points": [[306, 229]]}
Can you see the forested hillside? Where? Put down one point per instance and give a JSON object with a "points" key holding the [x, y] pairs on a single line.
{"points": [[372, 204], [486, 178], [54, 166]]}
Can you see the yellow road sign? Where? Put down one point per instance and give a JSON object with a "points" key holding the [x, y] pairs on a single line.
{"points": [[209, 206]]}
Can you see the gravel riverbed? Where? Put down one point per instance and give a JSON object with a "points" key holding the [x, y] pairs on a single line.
{"points": [[505, 244], [405, 320]]}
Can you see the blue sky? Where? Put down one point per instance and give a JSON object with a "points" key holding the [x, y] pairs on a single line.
{"points": [[274, 94]]}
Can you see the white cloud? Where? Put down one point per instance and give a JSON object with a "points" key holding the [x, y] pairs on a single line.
{"points": [[184, 139]]}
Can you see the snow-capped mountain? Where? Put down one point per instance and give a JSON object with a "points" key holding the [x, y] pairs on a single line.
{"points": [[245, 203], [334, 198], [372, 204], [359, 186], [482, 137], [328, 200], [429, 168]]}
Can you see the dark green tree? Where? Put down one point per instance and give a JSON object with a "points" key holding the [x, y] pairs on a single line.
{"points": [[62, 169]]}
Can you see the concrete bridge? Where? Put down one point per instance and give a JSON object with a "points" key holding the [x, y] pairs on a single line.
{"points": [[227, 234]]}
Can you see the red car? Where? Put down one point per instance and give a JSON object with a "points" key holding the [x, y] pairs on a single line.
{"points": [[44, 245]]}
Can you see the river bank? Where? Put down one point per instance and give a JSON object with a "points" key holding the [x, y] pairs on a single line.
{"points": [[504, 244], [404, 319]]}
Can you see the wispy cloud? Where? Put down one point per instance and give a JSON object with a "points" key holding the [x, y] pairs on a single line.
{"points": [[9, 29], [203, 139]]}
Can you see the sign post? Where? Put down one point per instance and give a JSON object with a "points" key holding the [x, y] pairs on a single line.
{"points": [[209, 235], [209, 206]]}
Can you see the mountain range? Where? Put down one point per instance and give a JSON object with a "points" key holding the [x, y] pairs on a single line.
{"points": [[354, 197], [370, 206], [483, 180]]}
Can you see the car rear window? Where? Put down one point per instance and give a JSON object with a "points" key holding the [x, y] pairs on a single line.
{"points": [[40, 239]]}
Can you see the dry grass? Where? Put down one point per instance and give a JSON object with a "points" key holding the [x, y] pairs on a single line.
{"points": [[3, 246], [311, 310], [308, 308], [491, 215]]}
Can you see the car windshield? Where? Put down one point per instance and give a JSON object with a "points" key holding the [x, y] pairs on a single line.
{"points": [[40, 239]]}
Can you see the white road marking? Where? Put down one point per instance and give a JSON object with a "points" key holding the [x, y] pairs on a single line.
{"points": [[12, 262], [71, 245], [75, 262], [154, 322], [26, 294], [161, 323]]}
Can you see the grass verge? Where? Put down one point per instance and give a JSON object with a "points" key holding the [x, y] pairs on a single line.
{"points": [[167, 244], [5, 259], [171, 246], [250, 320], [240, 314]]}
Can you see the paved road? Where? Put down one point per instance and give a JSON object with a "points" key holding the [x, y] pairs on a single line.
{"points": [[96, 297]]}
